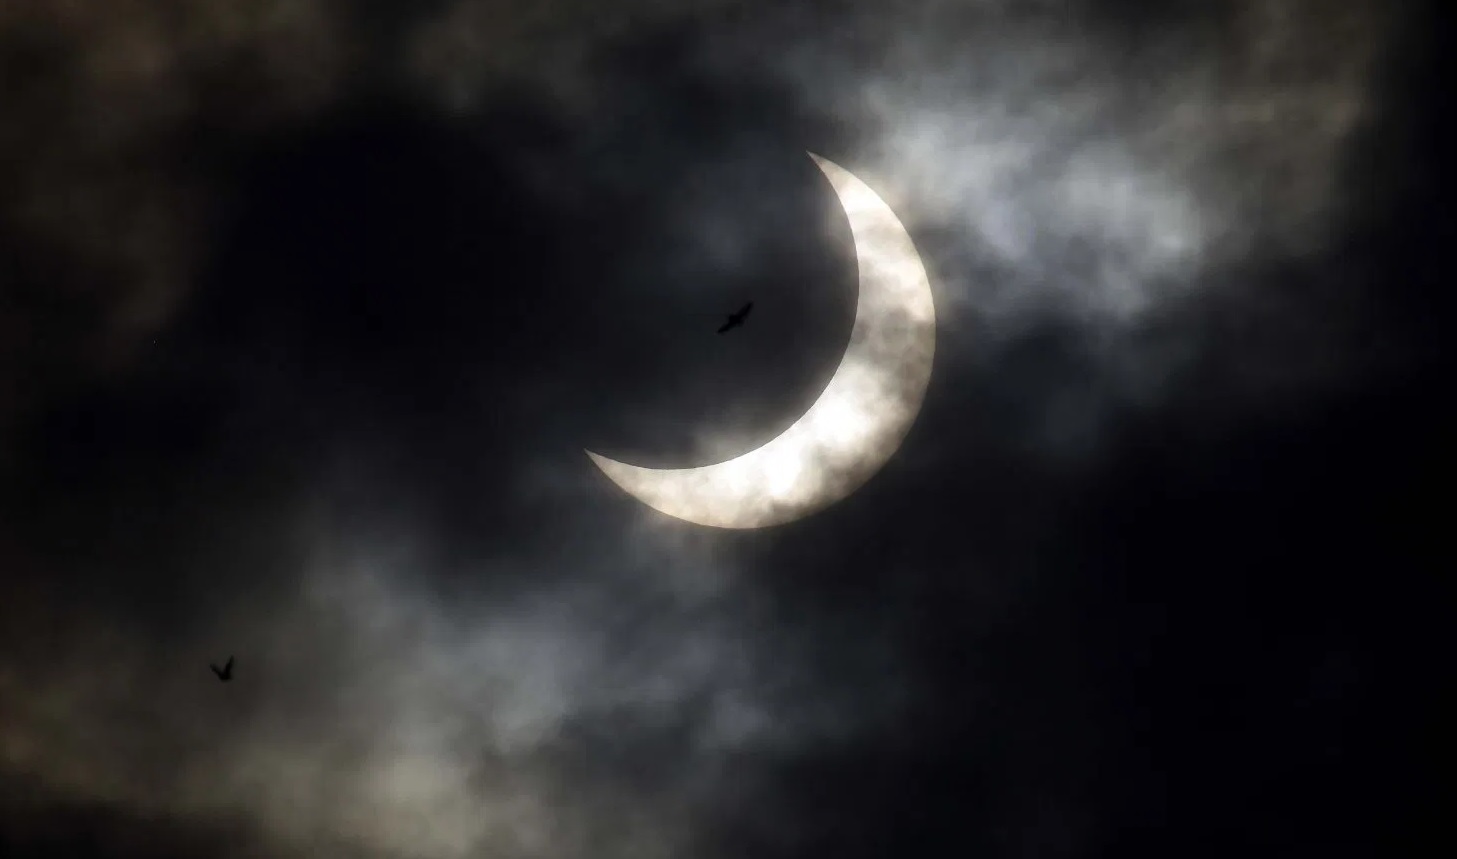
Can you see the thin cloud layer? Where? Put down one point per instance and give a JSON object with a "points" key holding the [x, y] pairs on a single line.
{"points": [[1094, 174], [597, 715]]}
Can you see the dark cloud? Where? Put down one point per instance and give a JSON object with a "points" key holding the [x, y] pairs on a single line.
{"points": [[308, 313]]}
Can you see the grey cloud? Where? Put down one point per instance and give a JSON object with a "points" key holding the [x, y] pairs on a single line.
{"points": [[1106, 185], [589, 677], [104, 226], [370, 714], [1058, 173]]}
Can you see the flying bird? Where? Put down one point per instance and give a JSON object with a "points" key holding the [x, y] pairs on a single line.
{"points": [[226, 672], [736, 319]]}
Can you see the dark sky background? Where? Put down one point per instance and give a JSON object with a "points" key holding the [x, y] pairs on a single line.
{"points": [[308, 309]]}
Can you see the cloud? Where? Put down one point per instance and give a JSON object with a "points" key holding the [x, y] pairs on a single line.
{"points": [[470, 49], [1050, 164], [1060, 171], [1129, 180], [484, 646], [1102, 177], [587, 712], [104, 217]]}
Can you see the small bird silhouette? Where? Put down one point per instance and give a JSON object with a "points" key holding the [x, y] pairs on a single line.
{"points": [[226, 672], [736, 319]]}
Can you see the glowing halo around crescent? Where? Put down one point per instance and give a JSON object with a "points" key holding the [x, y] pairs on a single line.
{"points": [[859, 421]]}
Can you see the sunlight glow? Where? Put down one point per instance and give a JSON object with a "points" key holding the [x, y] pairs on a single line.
{"points": [[857, 423]]}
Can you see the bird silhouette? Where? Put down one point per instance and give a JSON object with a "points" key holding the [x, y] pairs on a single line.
{"points": [[226, 672], [736, 319]]}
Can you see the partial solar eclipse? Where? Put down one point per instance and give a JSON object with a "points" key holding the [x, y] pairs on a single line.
{"points": [[859, 421]]}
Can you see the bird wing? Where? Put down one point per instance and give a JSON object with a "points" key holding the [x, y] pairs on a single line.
{"points": [[216, 670], [228, 667]]}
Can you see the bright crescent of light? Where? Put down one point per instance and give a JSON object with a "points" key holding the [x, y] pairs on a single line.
{"points": [[859, 421]]}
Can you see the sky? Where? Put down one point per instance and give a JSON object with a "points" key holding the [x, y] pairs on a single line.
{"points": [[308, 310]]}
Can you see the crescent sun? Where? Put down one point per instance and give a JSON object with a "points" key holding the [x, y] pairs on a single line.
{"points": [[855, 426]]}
